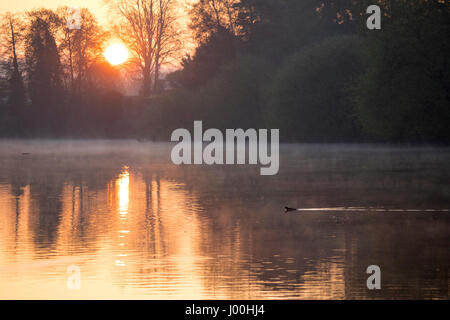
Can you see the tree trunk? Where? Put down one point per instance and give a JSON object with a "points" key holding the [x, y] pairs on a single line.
{"points": [[146, 84]]}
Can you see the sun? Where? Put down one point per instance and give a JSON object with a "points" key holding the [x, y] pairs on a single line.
{"points": [[116, 53]]}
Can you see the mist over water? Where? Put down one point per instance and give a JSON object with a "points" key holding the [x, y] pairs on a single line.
{"points": [[140, 227]]}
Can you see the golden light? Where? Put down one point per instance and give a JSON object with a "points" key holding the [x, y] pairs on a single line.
{"points": [[116, 54], [123, 183]]}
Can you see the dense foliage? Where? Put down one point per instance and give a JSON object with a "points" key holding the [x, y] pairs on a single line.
{"points": [[314, 70]]}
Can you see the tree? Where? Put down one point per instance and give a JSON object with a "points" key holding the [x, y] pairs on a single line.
{"points": [[209, 57], [404, 93], [12, 33], [44, 69], [210, 16], [80, 48], [149, 29]]}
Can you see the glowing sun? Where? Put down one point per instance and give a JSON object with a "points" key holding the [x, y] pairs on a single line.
{"points": [[116, 54]]}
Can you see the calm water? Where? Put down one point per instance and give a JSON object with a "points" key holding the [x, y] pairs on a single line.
{"points": [[139, 227]]}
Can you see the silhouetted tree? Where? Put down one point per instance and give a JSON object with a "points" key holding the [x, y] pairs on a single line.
{"points": [[80, 48], [149, 29], [211, 16], [213, 53], [12, 32], [44, 71]]}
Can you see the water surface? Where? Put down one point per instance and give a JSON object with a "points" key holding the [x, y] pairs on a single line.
{"points": [[139, 227]]}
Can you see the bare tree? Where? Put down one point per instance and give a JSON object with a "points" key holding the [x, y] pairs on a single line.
{"points": [[148, 27], [11, 36], [168, 37], [80, 48], [11, 40]]}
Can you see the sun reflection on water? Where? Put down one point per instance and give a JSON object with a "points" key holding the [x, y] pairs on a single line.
{"points": [[123, 185], [154, 231]]}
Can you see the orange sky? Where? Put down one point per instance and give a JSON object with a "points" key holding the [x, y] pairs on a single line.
{"points": [[95, 6], [98, 7]]}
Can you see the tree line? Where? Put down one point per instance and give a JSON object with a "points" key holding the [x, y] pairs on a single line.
{"points": [[311, 68]]}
